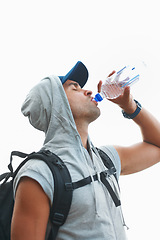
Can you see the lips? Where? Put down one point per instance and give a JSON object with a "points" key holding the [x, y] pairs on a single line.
{"points": [[92, 99]]}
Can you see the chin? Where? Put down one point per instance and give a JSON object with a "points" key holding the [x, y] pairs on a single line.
{"points": [[95, 115]]}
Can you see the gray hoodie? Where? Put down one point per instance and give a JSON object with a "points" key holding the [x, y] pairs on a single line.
{"points": [[93, 215]]}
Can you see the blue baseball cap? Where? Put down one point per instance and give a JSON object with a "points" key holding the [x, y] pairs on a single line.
{"points": [[78, 73]]}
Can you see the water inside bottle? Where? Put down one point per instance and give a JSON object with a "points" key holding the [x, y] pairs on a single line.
{"points": [[112, 90]]}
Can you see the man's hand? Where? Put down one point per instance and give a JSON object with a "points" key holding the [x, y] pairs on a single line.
{"points": [[125, 101]]}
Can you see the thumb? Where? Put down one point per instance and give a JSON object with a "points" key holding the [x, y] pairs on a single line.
{"points": [[126, 92]]}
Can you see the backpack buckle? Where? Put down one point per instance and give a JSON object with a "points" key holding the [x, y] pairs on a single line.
{"points": [[112, 171], [109, 172], [69, 186], [58, 219]]}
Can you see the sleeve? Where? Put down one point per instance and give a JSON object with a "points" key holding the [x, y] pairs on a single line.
{"points": [[40, 172], [113, 154]]}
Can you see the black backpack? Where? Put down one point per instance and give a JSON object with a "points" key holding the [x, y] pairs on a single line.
{"points": [[63, 187]]}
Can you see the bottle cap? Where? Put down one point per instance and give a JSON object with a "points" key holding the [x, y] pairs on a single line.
{"points": [[98, 98]]}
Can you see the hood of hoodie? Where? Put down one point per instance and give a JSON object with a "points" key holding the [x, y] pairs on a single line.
{"points": [[48, 110]]}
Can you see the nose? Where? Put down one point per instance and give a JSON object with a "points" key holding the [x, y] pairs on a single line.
{"points": [[87, 92]]}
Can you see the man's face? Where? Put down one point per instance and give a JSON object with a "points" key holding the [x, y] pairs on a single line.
{"points": [[81, 102]]}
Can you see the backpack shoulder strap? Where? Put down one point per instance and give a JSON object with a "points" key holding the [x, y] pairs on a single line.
{"points": [[108, 163], [112, 171], [63, 190]]}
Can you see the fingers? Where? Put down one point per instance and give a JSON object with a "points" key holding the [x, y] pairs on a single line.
{"points": [[99, 86], [111, 73], [100, 82], [124, 98]]}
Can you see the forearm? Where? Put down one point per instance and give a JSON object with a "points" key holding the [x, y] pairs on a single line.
{"points": [[147, 153], [143, 155], [150, 127]]}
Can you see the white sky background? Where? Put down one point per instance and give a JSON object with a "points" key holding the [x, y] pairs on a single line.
{"points": [[40, 38]]}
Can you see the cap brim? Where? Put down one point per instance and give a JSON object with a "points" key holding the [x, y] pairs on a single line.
{"points": [[78, 73]]}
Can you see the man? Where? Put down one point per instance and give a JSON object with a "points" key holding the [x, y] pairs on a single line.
{"points": [[61, 108]]}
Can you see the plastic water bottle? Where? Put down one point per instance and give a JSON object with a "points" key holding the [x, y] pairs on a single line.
{"points": [[114, 85]]}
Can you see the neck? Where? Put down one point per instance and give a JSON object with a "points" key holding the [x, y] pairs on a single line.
{"points": [[83, 132]]}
